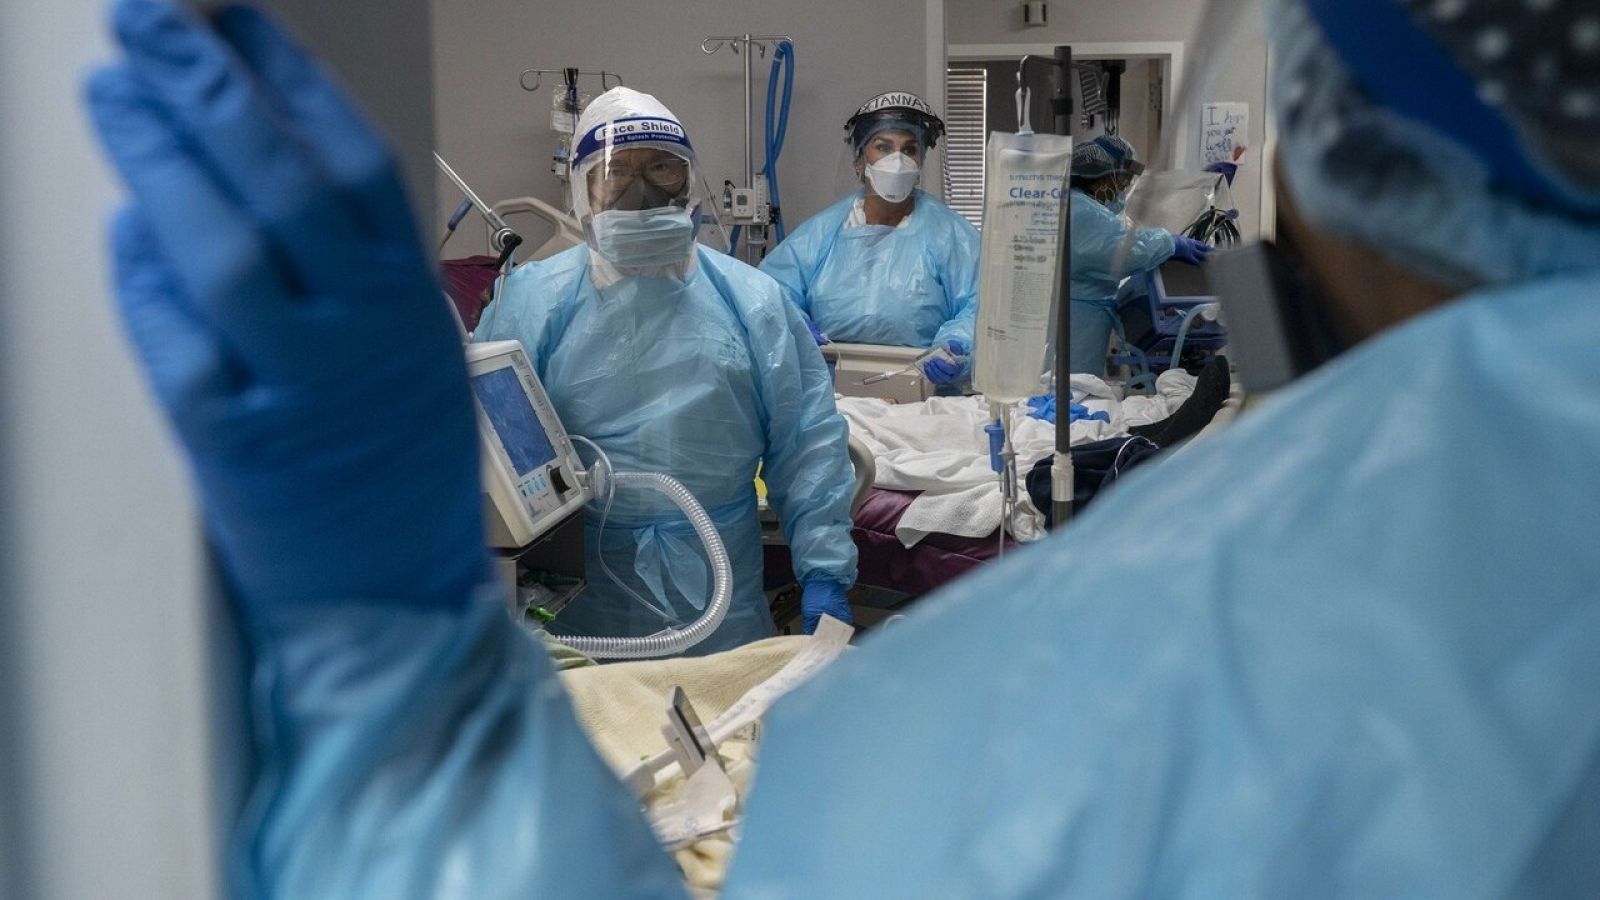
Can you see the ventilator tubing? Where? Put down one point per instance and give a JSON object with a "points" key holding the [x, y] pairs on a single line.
{"points": [[673, 641]]}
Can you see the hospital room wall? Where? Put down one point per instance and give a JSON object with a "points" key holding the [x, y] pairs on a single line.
{"points": [[1123, 21], [498, 136], [115, 751], [382, 54]]}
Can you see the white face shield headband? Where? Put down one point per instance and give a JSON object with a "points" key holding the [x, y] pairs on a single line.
{"points": [[633, 190]]}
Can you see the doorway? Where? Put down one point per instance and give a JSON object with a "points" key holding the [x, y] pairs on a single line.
{"points": [[1124, 89]]}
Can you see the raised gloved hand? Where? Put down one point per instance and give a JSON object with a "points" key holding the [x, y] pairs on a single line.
{"points": [[823, 597], [1190, 250], [948, 364], [816, 333], [271, 278]]}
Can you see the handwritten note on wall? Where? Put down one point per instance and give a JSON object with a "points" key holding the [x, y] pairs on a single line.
{"points": [[1224, 129]]}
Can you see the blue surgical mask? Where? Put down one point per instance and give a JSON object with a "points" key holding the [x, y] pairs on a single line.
{"points": [[646, 238]]}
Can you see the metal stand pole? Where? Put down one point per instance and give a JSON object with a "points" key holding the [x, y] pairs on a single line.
{"points": [[757, 234], [748, 44], [1061, 476], [749, 146]]}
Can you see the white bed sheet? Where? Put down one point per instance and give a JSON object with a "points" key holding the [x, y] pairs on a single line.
{"points": [[939, 447]]}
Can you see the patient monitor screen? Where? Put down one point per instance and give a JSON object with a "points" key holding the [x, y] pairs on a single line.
{"points": [[1183, 280], [514, 419]]}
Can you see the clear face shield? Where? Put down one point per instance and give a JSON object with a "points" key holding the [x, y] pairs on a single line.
{"points": [[635, 192], [1209, 178], [887, 159], [1113, 191]]}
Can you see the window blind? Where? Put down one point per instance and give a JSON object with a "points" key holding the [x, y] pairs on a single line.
{"points": [[966, 128]]}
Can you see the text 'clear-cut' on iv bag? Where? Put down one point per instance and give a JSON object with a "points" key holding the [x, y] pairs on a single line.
{"points": [[1023, 201]]}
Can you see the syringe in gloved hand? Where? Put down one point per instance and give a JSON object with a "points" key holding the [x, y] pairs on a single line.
{"points": [[914, 367]]}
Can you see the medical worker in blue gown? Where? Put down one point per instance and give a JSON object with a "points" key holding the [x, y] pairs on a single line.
{"points": [[889, 263], [1363, 663], [1107, 247], [676, 359]]}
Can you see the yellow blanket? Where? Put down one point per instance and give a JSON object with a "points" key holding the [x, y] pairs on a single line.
{"points": [[623, 706]]}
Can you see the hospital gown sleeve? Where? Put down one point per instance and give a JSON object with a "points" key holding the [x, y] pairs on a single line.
{"points": [[428, 753], [527, 311], [960, 274], [807, 463], [1101, 248], [402, 737], [792, 263], [1377, 707]]}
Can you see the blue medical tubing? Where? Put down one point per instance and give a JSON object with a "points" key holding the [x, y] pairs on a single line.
{"points": [[1183, 332], [458, 215], [777, 126], [782, 60], [1143, 378]]}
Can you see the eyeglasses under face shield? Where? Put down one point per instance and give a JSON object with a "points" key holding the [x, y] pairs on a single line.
{"points": [[632, 164], [638, 179]]}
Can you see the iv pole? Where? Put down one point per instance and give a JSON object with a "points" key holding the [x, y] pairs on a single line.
{"points": [[754, 195], [1061, 467], [561, 162], [1061, 477]]}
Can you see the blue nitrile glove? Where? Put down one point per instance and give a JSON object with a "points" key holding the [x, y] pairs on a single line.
{"points": [[1225, 169], [816, 334], [1079, 411], [942, 368], [274, 286], [1044, 407], [1190, 250], [823, 597]]}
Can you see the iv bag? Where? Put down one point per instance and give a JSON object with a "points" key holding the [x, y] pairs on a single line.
{"points": [[563, 114], [1025, 195]]}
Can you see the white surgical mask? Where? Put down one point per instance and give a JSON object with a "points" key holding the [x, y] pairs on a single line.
{"points": [[894, 177], [646, 238]]}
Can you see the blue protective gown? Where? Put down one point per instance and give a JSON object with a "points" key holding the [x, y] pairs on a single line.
{"points": [[421, 753], [1102, 256], [907, 286], [1363, 662], [700, 380], [1350, 647]]}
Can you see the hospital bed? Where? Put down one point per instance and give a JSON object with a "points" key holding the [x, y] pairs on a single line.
{"points": [[883, 562], [886, 521], [876, 512], [469, 281], [852, 363]]}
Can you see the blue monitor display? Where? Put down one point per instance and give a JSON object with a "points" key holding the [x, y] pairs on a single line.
{"points": [[514, 419]]}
